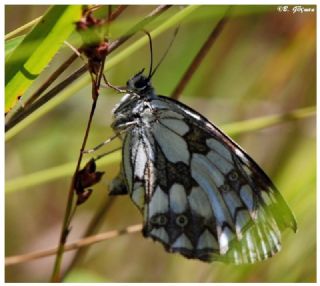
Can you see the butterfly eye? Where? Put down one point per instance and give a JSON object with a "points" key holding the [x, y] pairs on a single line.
{"points": [[233, 176], [141, 83], [181, 220]]}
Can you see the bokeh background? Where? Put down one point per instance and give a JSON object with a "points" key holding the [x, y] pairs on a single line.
{"points": [[263, 63]]}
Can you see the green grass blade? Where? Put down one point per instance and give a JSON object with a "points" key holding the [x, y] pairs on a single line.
{"points": [[236, 128], [12, 44], [51, 174], [267, 121], [34, 53]]}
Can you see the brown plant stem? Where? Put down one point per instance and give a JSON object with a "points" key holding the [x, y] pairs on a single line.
{"points": [[199, 58], [51, 79], [117, 12], [56, 274], [55, 277], [66, 221], [16, 259]]}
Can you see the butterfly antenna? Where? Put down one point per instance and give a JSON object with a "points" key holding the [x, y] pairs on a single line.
{"points": [[151, 53], [165, 53]]}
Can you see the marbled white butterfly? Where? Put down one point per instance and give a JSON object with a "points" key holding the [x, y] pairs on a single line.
{"points": [[200, 194]]}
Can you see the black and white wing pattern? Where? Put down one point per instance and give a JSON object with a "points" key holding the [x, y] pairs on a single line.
{"points": [[200, 194]]}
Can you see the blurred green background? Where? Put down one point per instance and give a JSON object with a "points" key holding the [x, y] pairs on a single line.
{"points": [[263, 63]]}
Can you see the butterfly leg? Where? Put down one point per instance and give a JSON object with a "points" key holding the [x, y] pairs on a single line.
{"points": [[125, 126], [116, 88], [100, 145]]}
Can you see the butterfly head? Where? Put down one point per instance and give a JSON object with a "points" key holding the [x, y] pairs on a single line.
{"points": [[134, 102], [140, 84]]}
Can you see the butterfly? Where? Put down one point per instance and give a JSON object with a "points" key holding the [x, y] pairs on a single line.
{"points": [[199, 193]]}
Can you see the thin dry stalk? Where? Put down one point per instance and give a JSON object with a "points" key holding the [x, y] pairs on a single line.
{"points": [[69, 212], [13, 260]]}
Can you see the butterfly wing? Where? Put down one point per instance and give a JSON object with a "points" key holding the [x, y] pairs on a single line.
{"points": [[200, 194]]}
